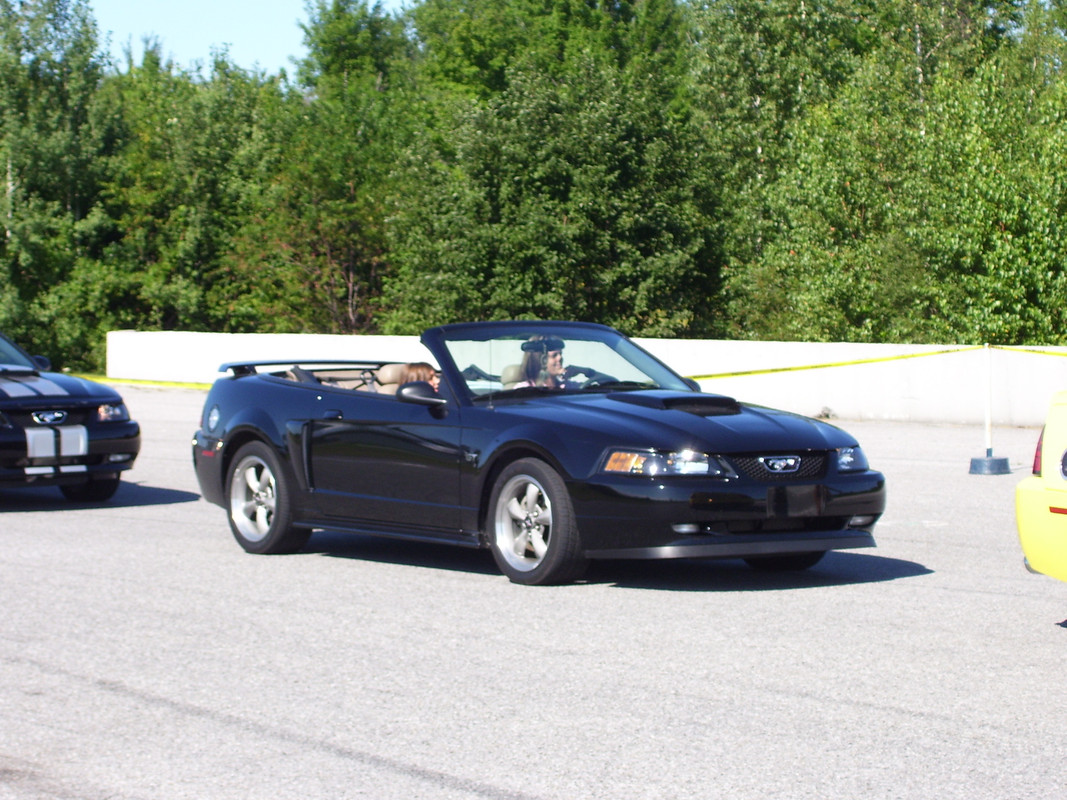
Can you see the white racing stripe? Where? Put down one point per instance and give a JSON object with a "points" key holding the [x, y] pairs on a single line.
{"points": [[13, 388], [31, 386], [40, 442], [73, 440]]}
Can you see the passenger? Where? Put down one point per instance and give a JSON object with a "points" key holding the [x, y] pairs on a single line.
{"points": [[421, 371], [542, 363]]}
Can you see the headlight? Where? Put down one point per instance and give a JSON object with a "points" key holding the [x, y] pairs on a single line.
{"points": [[686, 462], [112, 413], [851, 459]]}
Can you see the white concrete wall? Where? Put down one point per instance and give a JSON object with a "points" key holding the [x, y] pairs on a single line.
{"points": [[923, 383]]}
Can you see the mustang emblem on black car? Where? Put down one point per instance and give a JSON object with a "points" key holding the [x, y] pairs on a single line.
{"points": [[49, 417], [780, 463], [549, 443]]}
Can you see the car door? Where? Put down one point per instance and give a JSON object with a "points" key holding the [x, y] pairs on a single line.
{"points": [[375, 459]]}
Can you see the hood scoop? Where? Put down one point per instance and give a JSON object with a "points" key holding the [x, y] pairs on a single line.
{"points": [[703, 405]]}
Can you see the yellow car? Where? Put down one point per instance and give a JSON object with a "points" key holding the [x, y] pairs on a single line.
{"points": [[1041, 499]]}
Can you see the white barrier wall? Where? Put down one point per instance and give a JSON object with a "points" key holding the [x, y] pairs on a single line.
{"points": [[922, 383]]}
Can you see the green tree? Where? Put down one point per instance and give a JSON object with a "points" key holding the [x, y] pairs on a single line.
{"points": [[171, 199], [311, 249], [579, 199], [52, 156], [922, 202]]}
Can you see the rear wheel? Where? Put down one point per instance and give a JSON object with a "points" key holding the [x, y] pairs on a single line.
{"points": [[792, 562], [533, 534], [260, 503]]}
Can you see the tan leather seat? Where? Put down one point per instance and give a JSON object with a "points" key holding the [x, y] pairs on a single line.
{"points": [[510, 375], [388, 377]]}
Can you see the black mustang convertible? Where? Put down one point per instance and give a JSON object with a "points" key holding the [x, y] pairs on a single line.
{"points": [[550, 443]]}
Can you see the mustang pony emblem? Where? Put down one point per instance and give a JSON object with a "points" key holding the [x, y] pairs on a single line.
{"points": [[780, 464], [49, 417]]}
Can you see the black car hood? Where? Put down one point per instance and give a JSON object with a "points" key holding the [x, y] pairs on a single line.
{"points": [[25, 387], [673, 419]]}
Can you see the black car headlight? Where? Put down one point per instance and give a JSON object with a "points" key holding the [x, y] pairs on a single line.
{"points": [[652, 463], [112, 412], [851, 459]]}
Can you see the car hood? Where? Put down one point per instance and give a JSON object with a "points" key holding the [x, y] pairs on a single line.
{"points": [[23, 387], [666, 419]]}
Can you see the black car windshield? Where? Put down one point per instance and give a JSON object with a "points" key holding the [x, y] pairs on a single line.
{"points": [[541, 359], [12, 359]]}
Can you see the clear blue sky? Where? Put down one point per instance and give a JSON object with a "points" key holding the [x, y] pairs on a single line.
{"points": [[255, 32]]}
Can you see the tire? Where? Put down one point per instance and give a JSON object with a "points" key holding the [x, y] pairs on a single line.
{"points": [[532, 530], [793, 562], [260, 502], [93, 491]]}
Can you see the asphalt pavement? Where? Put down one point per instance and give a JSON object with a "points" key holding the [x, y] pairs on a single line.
{"points": [[144, 655]]}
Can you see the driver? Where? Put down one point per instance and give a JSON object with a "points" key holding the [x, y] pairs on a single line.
{"points": [[542, 363]]}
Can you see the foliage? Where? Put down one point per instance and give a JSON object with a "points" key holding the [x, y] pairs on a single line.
{"points": [[557, 199], [798, 169]]}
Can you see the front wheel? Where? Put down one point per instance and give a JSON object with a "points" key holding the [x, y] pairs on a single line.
{"points": [[792, 562], [260, 503], [533, 534]]}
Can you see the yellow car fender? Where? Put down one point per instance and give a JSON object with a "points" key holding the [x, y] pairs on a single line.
{"points": [[1041, 499]]}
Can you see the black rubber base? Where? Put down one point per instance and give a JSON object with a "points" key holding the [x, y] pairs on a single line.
{"points": [[990, 466]]}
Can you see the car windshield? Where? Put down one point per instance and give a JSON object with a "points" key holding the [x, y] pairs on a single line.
{"points": [[12, 359], [539, 359]]}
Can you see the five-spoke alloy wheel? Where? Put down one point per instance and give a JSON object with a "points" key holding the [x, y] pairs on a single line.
{"points": [[532, 530], [259, 502]]}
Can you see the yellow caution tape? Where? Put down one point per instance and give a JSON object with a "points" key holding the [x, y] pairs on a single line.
{"points": [[141, 382], [834, 364], [1027, 350]]}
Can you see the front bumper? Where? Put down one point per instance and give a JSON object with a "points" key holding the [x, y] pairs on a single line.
{"points": [[67, 454], [647, 519]]}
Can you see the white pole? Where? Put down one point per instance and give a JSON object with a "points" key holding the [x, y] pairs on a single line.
{"points": [[989, 402]]}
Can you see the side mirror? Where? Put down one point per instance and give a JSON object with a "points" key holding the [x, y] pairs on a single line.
{"points": [[420, 393], [43, 363], [692, 384]]}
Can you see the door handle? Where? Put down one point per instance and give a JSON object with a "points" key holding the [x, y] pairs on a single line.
{"points": [[332, 413]]}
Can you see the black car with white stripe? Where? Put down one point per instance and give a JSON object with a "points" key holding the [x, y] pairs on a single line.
{"points": [[548, 463], [61, 430]]}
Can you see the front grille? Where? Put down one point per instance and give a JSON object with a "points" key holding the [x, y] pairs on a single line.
{"points": [[812, 467], [24, 419]]}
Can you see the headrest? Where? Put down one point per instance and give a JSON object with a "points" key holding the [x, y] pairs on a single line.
{"points": [[546, 345], [390, 373]]}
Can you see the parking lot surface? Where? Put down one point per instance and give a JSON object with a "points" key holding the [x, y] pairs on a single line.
{"points": [[144, 655]]}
